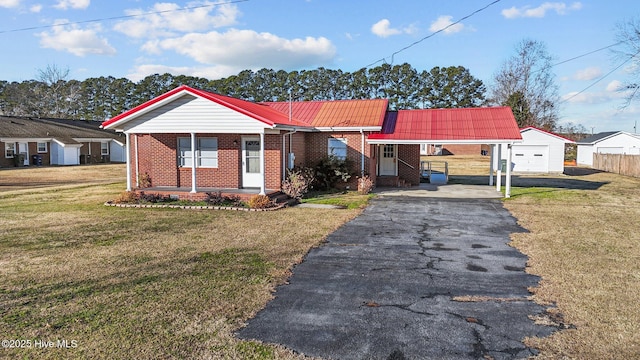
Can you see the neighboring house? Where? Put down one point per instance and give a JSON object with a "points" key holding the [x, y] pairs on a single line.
{"points": [[539, 152], [28, 141], [189, 141], [613, 142]]}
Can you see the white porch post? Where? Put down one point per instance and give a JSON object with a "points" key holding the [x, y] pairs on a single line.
{"points": [[507, 189], [128, 147], [262, 172], [499, 172], [135, 149], [491, 164], [193, 163]]}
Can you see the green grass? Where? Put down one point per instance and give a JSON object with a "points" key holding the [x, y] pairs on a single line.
{"points": [[348, 200], [146, 282]]}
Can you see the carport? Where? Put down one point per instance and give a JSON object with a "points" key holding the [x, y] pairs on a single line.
{"points": [[495, 126]]}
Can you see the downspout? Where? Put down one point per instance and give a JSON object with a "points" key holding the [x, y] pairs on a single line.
{"points": [[284, 151], [362, 153], [193, 163]]}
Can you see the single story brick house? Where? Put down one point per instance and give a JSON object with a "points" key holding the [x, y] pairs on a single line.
{"points": [[188, 141], [31, 141]]}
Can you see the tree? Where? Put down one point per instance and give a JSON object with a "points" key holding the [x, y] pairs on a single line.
{"points": [[55, 98], [451, 87], [628, 34], [526, 83]]}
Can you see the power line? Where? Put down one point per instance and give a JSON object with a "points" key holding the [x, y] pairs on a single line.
{"points": [[434, 33], [121, 17], [601, 78]]}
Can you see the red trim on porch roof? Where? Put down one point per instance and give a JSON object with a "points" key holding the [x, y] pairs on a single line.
{"points": [[468, 124]]}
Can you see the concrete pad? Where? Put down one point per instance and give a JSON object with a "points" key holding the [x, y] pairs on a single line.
{"points": [[389, 284], [452, 191]]}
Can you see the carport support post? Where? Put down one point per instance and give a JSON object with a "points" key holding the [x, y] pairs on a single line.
{"points": [[507, 188], [499, 171], [262, 182], [491, 160]]}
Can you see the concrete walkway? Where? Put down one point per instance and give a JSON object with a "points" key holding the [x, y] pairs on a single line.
{"points": [[411, 278]]}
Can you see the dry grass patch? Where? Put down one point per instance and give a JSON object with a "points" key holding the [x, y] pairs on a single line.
{"points": [[585, 246], [143, 283]]}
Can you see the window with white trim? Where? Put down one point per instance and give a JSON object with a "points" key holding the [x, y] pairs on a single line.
{"points": [[42, 147], [338, 148], [9, 150], [206, 152], [104, 148]]}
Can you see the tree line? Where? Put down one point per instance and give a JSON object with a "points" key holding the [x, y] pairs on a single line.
{"points": [[52, 95]]}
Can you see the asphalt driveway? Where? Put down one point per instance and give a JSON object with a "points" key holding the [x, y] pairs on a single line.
{"points": [[411, 278]]}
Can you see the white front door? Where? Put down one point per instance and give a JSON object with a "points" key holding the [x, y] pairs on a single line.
{"points": [[251, 176], [388, 162], [23, 148]]}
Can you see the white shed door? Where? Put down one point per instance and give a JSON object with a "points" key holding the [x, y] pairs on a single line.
{"points": [[530, 158]]}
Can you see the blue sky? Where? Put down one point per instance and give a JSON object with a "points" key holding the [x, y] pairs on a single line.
{"points": [[216, 40]]}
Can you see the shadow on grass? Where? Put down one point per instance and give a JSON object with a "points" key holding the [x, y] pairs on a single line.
{"points": [[568, 182]]}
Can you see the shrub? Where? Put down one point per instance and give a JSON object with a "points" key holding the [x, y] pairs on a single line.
{"points": [[298, 182], [260, 202], [153, 198], [330, 171], [365, 185], [144, 180], [217, 199], [127, 197]]}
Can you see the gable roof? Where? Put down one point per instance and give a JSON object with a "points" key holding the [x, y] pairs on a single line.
{"points": [[262, 113], [602, 136], [467, 125], [336, 113], [62, 130], [532, 128]]}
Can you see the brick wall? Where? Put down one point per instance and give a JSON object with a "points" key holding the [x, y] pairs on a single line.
{"points": [[4, 162], [461, 149], [159, 158], [33, 150], [411, 155]]}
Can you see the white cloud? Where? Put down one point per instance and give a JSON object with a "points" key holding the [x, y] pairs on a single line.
{"points": [[383, 29], [9, 3], [74, 4], [560, 8], [169, 22], [244, 49], [71, 38], [442, 22], [614, 86], [35, 8], [587, 74]]}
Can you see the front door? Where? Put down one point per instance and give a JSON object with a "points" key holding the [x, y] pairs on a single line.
{"points": [[388, 161], [251, 176], [23, 148]]}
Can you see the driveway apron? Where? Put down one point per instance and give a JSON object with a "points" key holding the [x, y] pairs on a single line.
{"points": [[410, 278]]}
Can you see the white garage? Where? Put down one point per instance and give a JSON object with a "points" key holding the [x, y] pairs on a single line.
{"points": [[539, 152], [612, 142]]}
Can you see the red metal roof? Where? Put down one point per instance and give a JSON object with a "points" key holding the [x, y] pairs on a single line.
{"points": [[337, 113], [450, 125]]}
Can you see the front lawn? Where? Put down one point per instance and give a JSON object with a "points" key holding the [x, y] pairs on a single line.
{"points": [[121, 283]]}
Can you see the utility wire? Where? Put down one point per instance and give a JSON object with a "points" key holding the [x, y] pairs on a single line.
{"points": [[121, 17], [601, 78], [433, 34]]}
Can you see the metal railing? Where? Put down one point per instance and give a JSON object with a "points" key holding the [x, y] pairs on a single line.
{"points": [[435, 171]]}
